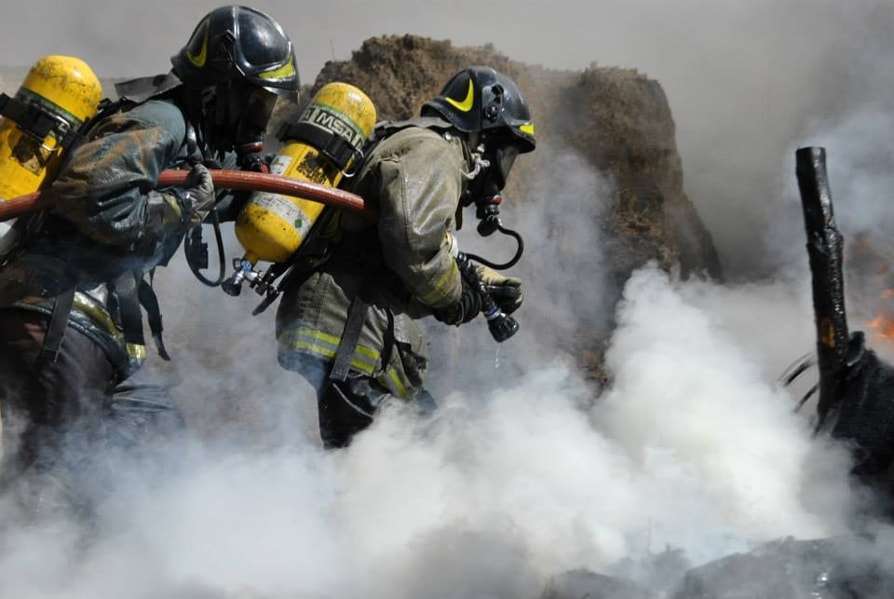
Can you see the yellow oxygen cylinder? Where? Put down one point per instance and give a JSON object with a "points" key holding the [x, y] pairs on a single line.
{"points": [[320, 147], [58, 95]]}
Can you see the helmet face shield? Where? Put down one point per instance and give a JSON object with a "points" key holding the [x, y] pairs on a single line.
{"points": [[255, 115], [502, 160], [240, 115]]}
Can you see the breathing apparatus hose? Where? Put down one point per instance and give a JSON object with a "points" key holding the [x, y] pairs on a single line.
{"points": [[501, 325], [488, 213], [194, 244], [505, 265], [223, 179]]}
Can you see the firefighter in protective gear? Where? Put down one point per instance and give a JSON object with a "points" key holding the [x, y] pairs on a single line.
{"points": [[73, 289], [348, 326]]}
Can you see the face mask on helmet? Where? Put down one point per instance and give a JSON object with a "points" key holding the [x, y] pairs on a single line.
{"points": [[501, 159], [501, 155], [254, 117], [236, 117]]}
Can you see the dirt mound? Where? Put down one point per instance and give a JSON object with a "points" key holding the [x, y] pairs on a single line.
{"points": [[618, 120], [617, 128]]}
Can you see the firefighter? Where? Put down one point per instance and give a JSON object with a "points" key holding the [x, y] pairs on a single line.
{"points": [[348, 326], [72, 287]]}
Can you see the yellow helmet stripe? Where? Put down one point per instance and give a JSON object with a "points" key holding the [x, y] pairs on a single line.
{"points": [[199, 59], [527, 128], [286, 70], [466, 104]]}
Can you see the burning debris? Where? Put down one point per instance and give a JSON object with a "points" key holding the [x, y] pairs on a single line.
{"points": [[856, 388]]}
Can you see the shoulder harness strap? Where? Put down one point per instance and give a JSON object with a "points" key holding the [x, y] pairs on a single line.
{"points": [[350, 337], [55, 335]]}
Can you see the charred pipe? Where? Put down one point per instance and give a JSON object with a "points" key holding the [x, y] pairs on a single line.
{"points": [[223, 179], [825, 250]]}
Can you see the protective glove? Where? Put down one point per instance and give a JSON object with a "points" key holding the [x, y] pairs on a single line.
{"points": [[171, 209], [466, 309], [198, 194], [507, 292]]}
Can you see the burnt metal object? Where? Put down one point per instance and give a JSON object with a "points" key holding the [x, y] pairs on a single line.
{"points": [[856, 388], [825, 249], [865, 417]]}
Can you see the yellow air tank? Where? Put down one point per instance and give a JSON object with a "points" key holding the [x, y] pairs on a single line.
{"points": [[319, 147], [59, 94]]}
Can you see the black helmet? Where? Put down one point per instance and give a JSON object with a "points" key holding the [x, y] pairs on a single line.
{"points": [[237, 61], [480, 99], [242, 44]]}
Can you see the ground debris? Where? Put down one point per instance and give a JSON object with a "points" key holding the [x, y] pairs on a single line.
{"points": [[583, 584], [833, 568]]}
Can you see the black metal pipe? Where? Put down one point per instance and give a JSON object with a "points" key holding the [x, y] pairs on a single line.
{"points": [[825, 250]]}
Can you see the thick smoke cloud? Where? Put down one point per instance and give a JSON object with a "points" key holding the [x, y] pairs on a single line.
{"points": [[692, 447], [519, 476]]}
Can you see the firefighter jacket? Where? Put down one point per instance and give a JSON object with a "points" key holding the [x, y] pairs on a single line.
{"points": [[403, 264], [107, 221]]}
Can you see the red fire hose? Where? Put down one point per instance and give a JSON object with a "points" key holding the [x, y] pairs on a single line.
{"points": [[223, 179]]}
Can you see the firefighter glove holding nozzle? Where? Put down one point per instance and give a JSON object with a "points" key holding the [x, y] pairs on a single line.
{"points": [[466, 309], [507, 292], [479, 286], [199, 194], [186, 205]]}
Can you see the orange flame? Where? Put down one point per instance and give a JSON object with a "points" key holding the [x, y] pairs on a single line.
{"points": [[882, 326]]}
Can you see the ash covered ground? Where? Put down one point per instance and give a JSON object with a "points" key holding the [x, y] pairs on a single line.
{"points": [[634, 429]]}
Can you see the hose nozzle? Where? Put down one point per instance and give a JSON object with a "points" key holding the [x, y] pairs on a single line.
{"points": [[501, 325]]}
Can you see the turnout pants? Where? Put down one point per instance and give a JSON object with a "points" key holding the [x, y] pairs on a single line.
{"points": [[60, 414], [347, 407]]}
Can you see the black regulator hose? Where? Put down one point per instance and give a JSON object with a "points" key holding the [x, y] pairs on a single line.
{"points": [[196, 252], [505, 265]]}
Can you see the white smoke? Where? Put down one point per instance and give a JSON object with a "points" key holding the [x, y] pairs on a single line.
{"points": [[523, 473], [693, 445]]}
